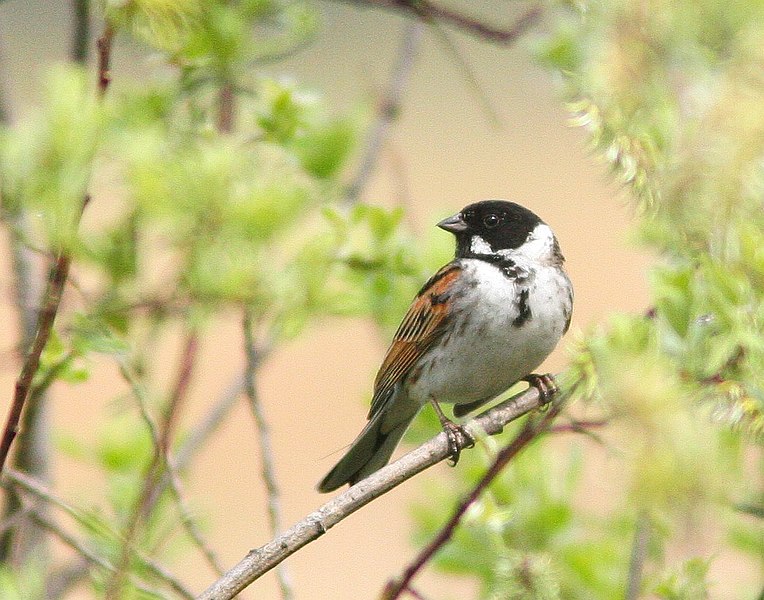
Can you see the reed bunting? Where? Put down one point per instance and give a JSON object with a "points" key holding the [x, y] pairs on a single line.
{"points": [[482, 323]]}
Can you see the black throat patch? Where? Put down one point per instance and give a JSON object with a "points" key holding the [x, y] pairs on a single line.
{"points": [[507, 266], [523, 310]]}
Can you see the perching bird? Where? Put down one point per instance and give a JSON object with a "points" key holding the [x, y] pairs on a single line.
{"points": [[482, 323]]}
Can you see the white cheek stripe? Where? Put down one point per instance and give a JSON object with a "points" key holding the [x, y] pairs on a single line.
{"points": [[539, 244], [538, 247], [479, 246]]}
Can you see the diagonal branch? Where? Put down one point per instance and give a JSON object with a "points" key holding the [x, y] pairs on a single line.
{"points": [[314, 525], [531, 430], [387, 111], [53, 292], [431, 12], [39, 491], [266, 449], [51, 301]]}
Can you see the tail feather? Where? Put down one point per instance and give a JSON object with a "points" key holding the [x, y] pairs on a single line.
{"points": [[370, 451]]}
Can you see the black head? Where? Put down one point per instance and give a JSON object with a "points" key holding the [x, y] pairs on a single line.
{"points": [[501, 225]]}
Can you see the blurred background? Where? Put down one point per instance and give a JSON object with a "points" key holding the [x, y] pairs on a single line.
{"points": [[446, 149]]}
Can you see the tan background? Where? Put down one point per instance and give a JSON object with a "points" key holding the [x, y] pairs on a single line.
{"points": [[445, 153]]}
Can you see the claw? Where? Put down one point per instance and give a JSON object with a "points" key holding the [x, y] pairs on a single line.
{"points": [[545, 384], [458, 438], [456, 435]]}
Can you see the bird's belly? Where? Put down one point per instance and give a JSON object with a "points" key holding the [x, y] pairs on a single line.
{"points": [[483, 357]]}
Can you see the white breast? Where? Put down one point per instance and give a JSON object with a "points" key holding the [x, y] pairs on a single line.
{"points": [[488, 349]]}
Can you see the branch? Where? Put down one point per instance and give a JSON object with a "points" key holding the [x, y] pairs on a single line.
{"points": [[51, 301], [80, 30], [32, 454], [531, 430], [314, 525], [161, 463], [430, 12], [266, 450], [53, 292], [387, 111], [638, 555], [39, 491], [104, 59]]}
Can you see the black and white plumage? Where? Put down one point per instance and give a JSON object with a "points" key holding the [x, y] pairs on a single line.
{"points": [[482, 323]]}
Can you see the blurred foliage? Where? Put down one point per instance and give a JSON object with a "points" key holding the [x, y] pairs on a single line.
{"points": [[202, 222], [672, 96], [205, 222]]}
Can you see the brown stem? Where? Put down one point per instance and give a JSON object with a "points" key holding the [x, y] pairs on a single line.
{"points": [[226, 107], [531, 430], [642, 532], [180, 389], [51, 301], [53, 292], [430, 12], [156, 468], [387, 110], [104, 58]]}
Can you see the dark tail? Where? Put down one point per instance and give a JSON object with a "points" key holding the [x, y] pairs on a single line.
{"points": [[370, 451]]}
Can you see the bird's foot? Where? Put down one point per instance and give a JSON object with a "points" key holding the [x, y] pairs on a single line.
{"points": [[545, 384], [457, 436]]}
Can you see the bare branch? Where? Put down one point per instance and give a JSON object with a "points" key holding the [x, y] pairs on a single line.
{"points": [[80, 30], [226, 108], [531, 430], [104, 58], [161, 464], [32, 454], [266, 449], [314, 525], [53, 292], [200, 434], [51, 301], [430, 12], [387, 110], [638, 555]]}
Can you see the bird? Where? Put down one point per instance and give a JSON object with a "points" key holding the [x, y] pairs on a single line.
{"points": [[480, 324]]}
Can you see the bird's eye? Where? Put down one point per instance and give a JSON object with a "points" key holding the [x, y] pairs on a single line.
{"points": [[491, 221]]}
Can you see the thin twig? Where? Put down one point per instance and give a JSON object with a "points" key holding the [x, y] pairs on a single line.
{"points": [[180, 390], [263, 559], [199, 435], [388, 109], [59, 583], [88, 554], [428, 11], [4, 115], [226, 107], [161, 464], [41, 492], [266, 449], [638, 555], [468, 72], [52, 299], [104, 58], [80, 30], [53, 292], [531, 430], [33, 452]]}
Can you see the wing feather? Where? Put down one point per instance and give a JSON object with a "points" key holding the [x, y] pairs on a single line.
{"points": [[423, 324]]}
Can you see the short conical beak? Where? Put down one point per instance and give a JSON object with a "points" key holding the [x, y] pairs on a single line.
{"points": [[454, 224]]}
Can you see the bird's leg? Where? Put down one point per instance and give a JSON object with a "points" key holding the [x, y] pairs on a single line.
{"points": [[453, 433], [545, 384]]}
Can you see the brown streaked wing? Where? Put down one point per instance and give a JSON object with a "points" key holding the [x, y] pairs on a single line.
{"points": [[423, 324]]}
